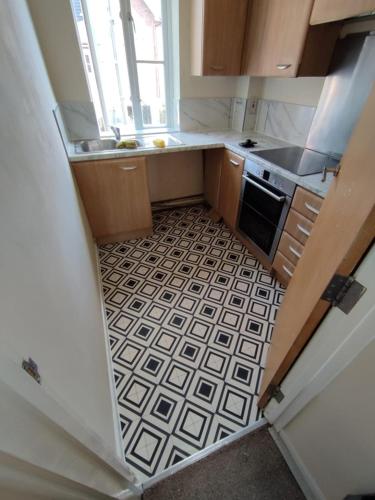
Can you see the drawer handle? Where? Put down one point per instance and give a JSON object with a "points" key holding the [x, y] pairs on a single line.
{"points": [[217, 68], [303, 230], [289, 273], [311, 208], [294, 252], [283, 66], [235, 163], [127, 169]]}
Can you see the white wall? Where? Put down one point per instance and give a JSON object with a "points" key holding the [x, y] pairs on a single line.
{"points": [[54, 24], [305, 91], [49, 296], [334, 434]]}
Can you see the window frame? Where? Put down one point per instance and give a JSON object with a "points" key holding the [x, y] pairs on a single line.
{"points": [[131, 60]]}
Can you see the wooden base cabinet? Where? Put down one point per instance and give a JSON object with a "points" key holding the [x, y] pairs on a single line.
{"points": [[116, 197], [280, 42], [302, 215], [230, 187]]}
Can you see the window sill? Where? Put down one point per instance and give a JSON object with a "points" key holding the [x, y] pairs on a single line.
{"points": [[145, 131]]}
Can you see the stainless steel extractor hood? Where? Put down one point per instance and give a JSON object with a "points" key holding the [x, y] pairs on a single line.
{"points": [[345, 90]]}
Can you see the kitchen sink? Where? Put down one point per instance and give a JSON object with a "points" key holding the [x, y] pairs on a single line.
{"points": [[95, 145], [144, 142]]}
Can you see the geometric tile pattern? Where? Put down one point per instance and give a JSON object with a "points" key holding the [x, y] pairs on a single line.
{"points": [[190, 315]]}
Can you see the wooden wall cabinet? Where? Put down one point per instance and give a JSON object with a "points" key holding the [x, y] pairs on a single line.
{"points": [[217, 34], [280, 42], [115, 195], [230, 187], [325, 11]]}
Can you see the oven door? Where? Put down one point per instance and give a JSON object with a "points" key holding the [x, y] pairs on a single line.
{"points": [[262, 213]]}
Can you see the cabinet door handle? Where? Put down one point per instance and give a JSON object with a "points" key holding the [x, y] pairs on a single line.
{"points": [[235, 163], [283, 66], [303, 230], [127, 169], [216, 68], [289, 273], [311, 208], [265, 190], [294, 252]]}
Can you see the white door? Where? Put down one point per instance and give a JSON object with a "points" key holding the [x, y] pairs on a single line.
{"points": [[338, 340], [325, 421], [47, 452]]}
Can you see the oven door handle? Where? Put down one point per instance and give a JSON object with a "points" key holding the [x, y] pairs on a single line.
{"points": [[265, 190]]}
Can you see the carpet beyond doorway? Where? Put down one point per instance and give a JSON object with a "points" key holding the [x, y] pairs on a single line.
{"points": [[251, 468]]}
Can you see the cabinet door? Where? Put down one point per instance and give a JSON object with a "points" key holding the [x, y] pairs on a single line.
{"points": [[116, 197], [276, 33], [230, 187], [218, 28], [325, 11]]}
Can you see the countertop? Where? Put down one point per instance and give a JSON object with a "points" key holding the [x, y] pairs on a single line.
{"points": [[216, 139]]}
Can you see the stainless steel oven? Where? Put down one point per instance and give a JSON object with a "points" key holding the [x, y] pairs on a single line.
{"points": [[265, 201]]}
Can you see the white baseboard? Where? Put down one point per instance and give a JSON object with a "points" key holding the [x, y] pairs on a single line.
{"points": [[204, 453], [303, 477]]}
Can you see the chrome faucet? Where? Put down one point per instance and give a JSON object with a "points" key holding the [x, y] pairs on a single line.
{"points": [[116, 131]]}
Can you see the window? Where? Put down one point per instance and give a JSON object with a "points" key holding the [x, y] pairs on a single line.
{"points": [[126, 52]]}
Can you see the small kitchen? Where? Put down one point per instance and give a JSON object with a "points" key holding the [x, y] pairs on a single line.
{"points": [[262, 164], [217, 165]]}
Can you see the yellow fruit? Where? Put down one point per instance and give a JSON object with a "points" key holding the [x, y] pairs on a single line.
{"points": [[159, 143]]}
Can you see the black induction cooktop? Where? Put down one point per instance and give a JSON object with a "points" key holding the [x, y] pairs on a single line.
{"points": [[299, 161]]}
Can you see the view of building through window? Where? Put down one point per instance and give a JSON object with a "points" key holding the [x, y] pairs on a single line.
{"points": [[124, 60]]}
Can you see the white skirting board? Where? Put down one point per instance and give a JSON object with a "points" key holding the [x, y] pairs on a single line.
{"points": [[304, 479]]}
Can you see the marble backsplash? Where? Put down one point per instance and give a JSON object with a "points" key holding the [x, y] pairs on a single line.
{"points": [[285, 121], [205, 113], [79, 120]]}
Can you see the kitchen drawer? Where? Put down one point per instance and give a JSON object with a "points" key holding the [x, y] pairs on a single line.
{"points": [[283, 268], [290, 248], [307, 203], [298, 226]]}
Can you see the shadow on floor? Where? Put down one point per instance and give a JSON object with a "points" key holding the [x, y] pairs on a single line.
{"points": [[248, 469]]}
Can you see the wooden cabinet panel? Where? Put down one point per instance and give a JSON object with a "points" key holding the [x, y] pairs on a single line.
{"points": [[217, 33], [325, 11], [290, 248], [298, 226], [306, 203], [213, 159], [283, 268], [279, 41], [175, 175], [116, 197], [230, 187]]}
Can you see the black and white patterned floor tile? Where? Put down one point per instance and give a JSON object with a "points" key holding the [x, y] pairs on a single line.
{"points": [[190, 315]]}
